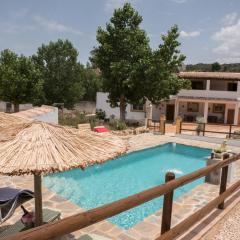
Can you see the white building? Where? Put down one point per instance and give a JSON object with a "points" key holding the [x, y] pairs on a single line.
{"points": [[214, 96], [133, 113]]}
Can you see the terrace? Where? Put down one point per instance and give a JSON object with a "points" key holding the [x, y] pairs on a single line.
{"points": [[183, 207]]}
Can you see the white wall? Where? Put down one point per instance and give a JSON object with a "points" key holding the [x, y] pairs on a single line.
{"points": [[105, 106], [25, 106], [49, 117], [2, 106], [209, 94], [86, 106], [44, 113], [160, 109], [22, 107]]}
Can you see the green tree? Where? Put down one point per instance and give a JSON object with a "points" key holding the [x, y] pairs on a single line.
{"points": [[92, 82], [121, 55], [216, 67], [20, 80], [131, 71], [61, 72], [161, 77]]}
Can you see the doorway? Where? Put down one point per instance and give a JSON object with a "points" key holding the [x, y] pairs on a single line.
{"points": [[170, 112], [230, 116]]}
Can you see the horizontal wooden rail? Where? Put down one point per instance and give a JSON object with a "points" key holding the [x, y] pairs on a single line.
{"points": [[155, 125], [229, 133], [200, 214], [81, 220], [213, 124], [194, 130]]}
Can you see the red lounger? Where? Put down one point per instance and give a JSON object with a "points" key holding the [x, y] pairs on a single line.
{"points": [[100, 129]]}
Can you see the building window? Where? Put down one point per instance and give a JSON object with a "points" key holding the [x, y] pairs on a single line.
{"points": [[198, 85], [193, 107], [137, 107], [232, 86], [218, 108]]}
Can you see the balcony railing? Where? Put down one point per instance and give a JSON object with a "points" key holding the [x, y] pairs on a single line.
{"points": [[210, 94]]}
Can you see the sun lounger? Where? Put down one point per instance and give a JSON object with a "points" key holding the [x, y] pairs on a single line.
{"points": [[49, 215], [10, 199], [100, 129], [84, 127]]}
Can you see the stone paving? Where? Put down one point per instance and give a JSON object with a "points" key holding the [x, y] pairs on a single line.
{"points": [[150, 227], [227, 228]]}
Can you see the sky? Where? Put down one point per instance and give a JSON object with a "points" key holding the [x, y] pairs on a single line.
{"points": [[209, 29]]}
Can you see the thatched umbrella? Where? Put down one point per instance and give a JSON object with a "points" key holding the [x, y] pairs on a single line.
{"points": [[40, 148], [7, 119]]}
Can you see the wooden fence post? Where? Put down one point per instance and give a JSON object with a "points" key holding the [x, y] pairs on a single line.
{"points": [[204, 128], [147, 124], [178, 125], [230, 131], [162, 124], [167, 205], [223, 183]]}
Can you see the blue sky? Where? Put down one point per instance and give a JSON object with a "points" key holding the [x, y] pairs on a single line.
{"points": [[210, 29]]}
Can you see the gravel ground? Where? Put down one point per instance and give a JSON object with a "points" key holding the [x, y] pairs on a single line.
{"points": [[228, 228]]}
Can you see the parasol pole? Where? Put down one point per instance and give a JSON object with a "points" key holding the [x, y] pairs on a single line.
{"points": [[38, 200]]}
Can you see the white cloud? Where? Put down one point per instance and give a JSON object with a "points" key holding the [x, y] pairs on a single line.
{"points": [[110, 5], [228, 40], [229, 18], [54, 26], [11, 28], [192, 34]]}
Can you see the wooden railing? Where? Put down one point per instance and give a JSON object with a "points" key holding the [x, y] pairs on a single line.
{"points": [[155, 125], [81, 220], [203, 130]]}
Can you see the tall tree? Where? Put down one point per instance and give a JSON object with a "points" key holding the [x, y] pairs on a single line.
{"points": [[121, 55], [131, 71], [20, 80], [161, 76], [92, 82], [61, 72]]}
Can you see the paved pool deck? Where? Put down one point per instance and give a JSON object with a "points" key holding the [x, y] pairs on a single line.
{"points": [[150, 227]]}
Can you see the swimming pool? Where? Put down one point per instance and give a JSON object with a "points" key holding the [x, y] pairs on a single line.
{"points": [[129, 174]]}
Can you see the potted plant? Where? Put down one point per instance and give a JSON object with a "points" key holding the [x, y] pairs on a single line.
{"points": [[220, 151], [200, 125]]}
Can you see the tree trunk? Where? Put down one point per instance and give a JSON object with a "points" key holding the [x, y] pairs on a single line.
{"points": [[16, 107], [122, 108]]}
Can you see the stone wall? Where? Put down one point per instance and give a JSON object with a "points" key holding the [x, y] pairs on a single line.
{"points": [[86, 106]]}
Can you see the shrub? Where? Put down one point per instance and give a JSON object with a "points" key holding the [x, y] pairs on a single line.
{"points": [[200, 124], [222, 148], [93, 122], [116, 124], [100, 114], [73, 119]]}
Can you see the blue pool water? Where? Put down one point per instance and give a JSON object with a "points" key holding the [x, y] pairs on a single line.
{"points": [[129, 174]]}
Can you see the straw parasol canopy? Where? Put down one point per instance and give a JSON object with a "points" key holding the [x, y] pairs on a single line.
{"points": [[40, 148], [7, 120]]}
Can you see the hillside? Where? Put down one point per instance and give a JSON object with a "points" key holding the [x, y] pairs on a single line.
{"points": [[205, 67]]}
